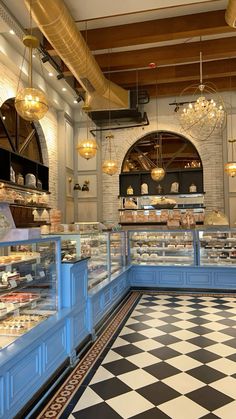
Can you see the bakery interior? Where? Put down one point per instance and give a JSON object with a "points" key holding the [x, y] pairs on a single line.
{"points": [[117, 171]]}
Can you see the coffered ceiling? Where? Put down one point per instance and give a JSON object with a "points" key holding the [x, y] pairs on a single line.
{"points": [[126, 37]]}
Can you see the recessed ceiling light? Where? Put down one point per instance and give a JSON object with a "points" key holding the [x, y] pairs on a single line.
{"points": [[3, 118], [33, 55], [50, 74], [75, 101], [12, 32], [64, 89]]}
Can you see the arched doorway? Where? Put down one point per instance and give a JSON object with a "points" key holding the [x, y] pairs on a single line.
{"points": [[179, 157], [17, 134]]}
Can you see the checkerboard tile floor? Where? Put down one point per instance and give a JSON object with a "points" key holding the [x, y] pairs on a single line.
{"points": [[174, 358]]}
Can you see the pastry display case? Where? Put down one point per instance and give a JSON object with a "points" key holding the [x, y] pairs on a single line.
{"points": [[217, 247], [173, 210], [28, 286], [159, 247], [106, 252]]}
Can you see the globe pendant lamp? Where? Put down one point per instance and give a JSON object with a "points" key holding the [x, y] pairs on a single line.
{"points": [[158, 173], [230, 167], [87, 148], [30, 103], [110, 166], [205, 113]]}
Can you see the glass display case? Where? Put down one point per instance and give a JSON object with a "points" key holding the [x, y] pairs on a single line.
{"points": [[173, 210], [106, 252], [162, 247], [28, 286], [217, 247]]}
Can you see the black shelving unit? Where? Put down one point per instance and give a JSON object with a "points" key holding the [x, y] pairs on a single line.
{"points": [[184, 177]]}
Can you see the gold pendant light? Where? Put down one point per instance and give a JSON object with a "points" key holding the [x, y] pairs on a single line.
{"points": [[30, 103], [158, 173], [230, 167], [110, 166], [87, 148]]}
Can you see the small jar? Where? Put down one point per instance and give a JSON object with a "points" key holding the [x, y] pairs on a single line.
{"points": [[30, 180], [192, 188], [20, 179], [130, 190], [39, 184]]}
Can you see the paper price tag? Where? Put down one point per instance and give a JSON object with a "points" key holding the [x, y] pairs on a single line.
{"points": [[34, 304], [12, 283], [29, 277], [16, 312], [41, 274]]}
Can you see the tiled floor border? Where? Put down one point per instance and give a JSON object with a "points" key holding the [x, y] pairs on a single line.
{"points": [[60, 400]]}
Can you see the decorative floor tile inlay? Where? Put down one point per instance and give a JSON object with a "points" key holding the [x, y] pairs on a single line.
{"points": [[174, 358]]}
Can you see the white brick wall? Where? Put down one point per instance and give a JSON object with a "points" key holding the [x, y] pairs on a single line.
{"points": [[47, 129], [209, 150]]}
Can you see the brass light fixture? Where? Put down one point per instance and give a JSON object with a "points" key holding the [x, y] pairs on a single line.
{"points": [[30, 103], [87, 148], [230, 167], [205, 113], [157, 173], [109, 166]]}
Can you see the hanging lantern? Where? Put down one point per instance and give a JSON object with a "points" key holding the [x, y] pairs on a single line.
{"points": [[110, 166], [87, 148], [230, 168], [30, 103], [158, 173]]}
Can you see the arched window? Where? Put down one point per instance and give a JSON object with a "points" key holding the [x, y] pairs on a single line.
{"points": [[176, 153], [17, 134]]}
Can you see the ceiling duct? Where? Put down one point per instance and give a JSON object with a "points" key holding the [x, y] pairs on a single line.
{"points": [[54, 20], [230, 14]]}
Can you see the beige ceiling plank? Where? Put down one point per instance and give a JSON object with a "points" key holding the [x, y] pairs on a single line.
{"points": [[187, 26], [169, 55], [175, 89], [190, 72]]}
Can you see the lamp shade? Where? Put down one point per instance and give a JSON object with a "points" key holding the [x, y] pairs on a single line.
{"points": [[109, 167], [31, 104], [230, 168], [158, 173], [87, 148]]}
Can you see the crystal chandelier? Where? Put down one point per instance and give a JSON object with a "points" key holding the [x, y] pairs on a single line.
{"points": [[205, 114], [110, 165], [30, 103]]}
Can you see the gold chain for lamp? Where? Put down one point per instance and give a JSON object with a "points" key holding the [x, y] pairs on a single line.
{"points": [[109, 166], [87, 148], [30, 103], [230, 167], [158, 173]]}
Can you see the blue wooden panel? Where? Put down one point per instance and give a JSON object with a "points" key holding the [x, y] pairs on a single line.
{"points": [[171, 278], [80, 327], [144, 277], [224, 279], [2, 397], [74, 283], [25, 374], [114, 291], [55, 348], [199, 279], [107, 297]]}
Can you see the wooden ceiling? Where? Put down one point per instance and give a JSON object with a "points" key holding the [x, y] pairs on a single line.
{"points": [[124, 53]]}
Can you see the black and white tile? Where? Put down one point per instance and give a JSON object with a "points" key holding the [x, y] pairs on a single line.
{"points": [[174, 358]]}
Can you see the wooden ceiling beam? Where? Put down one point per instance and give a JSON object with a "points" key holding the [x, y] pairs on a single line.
{"points": [[174, 90], [177, 73], [158, 30], [168, 55]]}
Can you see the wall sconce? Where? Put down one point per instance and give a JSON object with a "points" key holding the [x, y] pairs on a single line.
{"points": [[77, 187], [85, 187]]}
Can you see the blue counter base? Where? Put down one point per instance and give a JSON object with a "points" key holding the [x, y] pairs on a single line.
{"points": [[210, 278]]}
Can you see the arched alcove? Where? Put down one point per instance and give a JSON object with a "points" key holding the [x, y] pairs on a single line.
{"points": [[19, 135], [178, 156]]}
